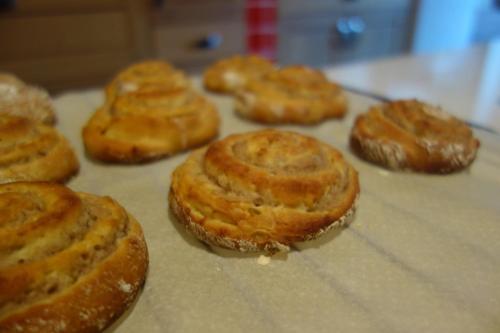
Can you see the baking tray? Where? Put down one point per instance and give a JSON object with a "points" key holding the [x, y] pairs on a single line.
{"points": [[422, 254]]}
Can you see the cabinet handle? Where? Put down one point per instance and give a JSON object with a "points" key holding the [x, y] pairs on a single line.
{"points": [[350, 28], [209, 42]]}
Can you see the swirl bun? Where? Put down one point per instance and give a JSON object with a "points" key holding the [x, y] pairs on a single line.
{"points": [[263, 190], [69, 262], [20, 99], [294, 94], [229, 75], [150, 112], [33, 152], [146, 76], [409, 134]]}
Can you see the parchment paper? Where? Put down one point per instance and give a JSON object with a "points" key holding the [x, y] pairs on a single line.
{"points": [[422, 255]]}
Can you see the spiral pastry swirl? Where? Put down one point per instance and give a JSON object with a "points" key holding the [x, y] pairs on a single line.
{"points": [[229, 75], [412, 135], [145, 76], [263, 190], [294, 94], [19, 99], [149, 113], [32, 151], [69, 262]]}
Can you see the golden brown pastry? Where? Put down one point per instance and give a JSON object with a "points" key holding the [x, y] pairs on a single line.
{"points": [[148, 76], [412, 135], [263, 190], [295, 94], [150, 112], [229, 75], [32, 151], [20, 99], [69, 262]]}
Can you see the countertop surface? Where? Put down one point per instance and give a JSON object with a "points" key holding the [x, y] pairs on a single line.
{"points": [[422, 254], [464, 82]]}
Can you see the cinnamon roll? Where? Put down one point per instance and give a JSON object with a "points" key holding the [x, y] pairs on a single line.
{"points": [[150, 112], [412, 135], [263, 190], [19, 99], [294, 94], [229, 75], [32, 151], [69, 262]]}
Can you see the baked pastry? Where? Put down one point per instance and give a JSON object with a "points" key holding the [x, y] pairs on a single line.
{"points": [[18, 98], [147, 76], [263, 190], [294, 94], [412, 135], [33, 151], [69, 262], [229, 75], [150, 118]]}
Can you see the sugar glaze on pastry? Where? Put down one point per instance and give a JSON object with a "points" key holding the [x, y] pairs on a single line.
{"points": [[412, 135], [263, 190], [69, 262]]}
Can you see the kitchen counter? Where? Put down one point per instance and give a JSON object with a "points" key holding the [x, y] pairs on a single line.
{"points": [[464, 82], [422, 254]]}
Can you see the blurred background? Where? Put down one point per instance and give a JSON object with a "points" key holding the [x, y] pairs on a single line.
{"points": [[63, 44]]}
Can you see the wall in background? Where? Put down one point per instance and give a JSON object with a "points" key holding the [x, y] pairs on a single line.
{"points": [[447, 24]]}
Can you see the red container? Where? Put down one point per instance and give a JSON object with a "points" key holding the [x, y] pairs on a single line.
{"points": [[261, 23]]}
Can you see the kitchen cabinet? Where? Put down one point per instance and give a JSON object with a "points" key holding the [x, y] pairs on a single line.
{"points": [[323, 32], [193, 34], [62, 44]]}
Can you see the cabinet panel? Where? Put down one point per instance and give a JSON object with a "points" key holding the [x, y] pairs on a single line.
{"points": [[194, 33], [344, 35], [194, 12], [47, 36], [63, 44], [61, 7], [59, 73], [301, 8], [183, 45]]}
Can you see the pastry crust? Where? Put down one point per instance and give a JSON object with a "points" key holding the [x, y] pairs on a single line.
{"points": [[147, 76], [263, 190], [412, 135], [150, 112], [229, 75], [32, 151], [294, 94], [20, 99], [69, 262]]}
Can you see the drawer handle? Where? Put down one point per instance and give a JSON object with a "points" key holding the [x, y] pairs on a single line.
{"points": [[350, 28], [209, 42]]}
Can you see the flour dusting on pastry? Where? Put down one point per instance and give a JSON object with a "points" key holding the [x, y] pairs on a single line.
{"points": [[79, 272], [20, 99], [412, 135], [263, 191]]}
